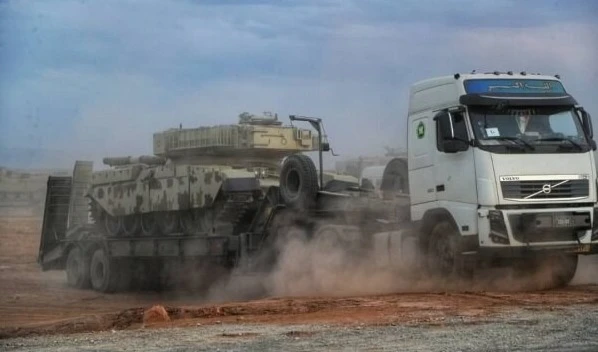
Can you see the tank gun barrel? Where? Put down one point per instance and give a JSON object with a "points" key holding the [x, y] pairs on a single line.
{"points": [[127, 160]]}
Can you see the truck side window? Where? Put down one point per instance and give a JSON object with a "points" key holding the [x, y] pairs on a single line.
{"points": [[443, 128]]}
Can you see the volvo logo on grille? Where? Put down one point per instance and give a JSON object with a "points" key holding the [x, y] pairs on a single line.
{"points": [[546, 189]]}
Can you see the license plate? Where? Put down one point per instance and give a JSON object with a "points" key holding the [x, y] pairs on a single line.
{"points": [[564, 221], [582, 248]]}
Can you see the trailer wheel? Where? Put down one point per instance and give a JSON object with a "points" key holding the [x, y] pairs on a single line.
{"points": [[77, 269], [104, 277], [298, 181], [444, 258]]}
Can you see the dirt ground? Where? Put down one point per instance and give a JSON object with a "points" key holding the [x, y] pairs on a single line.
{"points": [[34, 303]]}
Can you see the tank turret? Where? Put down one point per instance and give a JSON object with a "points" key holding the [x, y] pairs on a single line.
{"points": [[198, 180], [253, 141]]}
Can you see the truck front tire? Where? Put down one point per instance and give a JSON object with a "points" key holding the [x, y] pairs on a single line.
{"points": [[443, 258]]}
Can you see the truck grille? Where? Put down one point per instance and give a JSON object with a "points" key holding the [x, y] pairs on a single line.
{"points": [[540, 189]]}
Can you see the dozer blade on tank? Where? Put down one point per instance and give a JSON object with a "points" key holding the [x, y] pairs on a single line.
{"points": [[199, 181]]}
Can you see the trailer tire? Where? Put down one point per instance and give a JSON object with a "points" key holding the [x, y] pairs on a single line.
{"points": [[298, 182], [77, 269], [104, 277]]}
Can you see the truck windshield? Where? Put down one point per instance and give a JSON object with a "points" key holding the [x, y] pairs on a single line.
{"points": [[528, 129]]}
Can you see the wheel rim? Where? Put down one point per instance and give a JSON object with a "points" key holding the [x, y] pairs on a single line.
{"points": [[293, 183]]}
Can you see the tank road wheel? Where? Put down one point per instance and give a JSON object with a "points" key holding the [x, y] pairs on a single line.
{"points": [[112, 225], [298, 181], [168, 222], [103, 273], [444, 256], [195, 221], [77, 269], [131, 225], [149, 224]]}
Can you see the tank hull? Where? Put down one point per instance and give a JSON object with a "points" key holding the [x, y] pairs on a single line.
{"points": [[158, 200]]}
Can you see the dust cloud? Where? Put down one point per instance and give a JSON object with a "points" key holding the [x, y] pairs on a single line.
{"points": [[311, 267]]}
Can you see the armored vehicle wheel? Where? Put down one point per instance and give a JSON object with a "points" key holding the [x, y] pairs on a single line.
{"points": [[298, 181], [131, 225], [168, 222], [77, 269], [103, 273], [112, 225], [194, 221], [149, 224]]}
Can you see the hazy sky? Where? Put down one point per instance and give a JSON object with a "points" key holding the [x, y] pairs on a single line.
{"points": [[96, 78]]}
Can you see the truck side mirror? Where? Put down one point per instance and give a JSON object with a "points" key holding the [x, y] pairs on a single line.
{"points": [[586, 120], [325, 146], [449, 131]]}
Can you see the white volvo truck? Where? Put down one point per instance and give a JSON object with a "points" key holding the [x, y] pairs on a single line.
{"points": [[500, 169]]}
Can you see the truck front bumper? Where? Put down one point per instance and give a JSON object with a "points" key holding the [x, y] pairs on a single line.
{"points": [[525, 232], [536, 250]]}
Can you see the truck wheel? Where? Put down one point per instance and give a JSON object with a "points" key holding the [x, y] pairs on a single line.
{"points": [[77, 269], [298, 181], [444, 258], [562, 269], [104, 277]]}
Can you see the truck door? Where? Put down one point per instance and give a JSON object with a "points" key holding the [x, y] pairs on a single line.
{"points": [[421, 161], [454, 169]]}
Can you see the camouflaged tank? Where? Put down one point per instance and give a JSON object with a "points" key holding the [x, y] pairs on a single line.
{"points": [[199, 180]]}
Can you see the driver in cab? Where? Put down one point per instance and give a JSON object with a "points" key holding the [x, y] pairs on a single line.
{"points": [[517, 125]]}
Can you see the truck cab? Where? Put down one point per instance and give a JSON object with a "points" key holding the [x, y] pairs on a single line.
{"points": [[501, 165]]}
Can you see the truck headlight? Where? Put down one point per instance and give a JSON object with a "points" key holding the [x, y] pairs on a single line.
{"points": [[498, 227]]}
